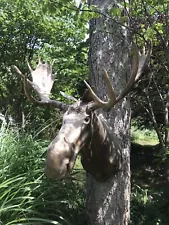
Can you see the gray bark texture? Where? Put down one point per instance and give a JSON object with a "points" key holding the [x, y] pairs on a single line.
{"points": [[108, 203]]}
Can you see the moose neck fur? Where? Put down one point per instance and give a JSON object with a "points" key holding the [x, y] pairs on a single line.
{"points": [[101, 157]]}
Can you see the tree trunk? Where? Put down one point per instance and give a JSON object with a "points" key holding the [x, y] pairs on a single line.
{"points": [[109, 203], [167, 120]]}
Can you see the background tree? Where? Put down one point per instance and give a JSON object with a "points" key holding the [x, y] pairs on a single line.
{"points": [[149, 19], [47, 29], [108, 203]]}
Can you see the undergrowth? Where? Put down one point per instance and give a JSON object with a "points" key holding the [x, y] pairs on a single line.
{"points": [[149, 207], [26, 195]]}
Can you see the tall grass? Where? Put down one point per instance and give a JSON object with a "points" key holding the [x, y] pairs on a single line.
{"points": [[26, 195], [143, 136]]}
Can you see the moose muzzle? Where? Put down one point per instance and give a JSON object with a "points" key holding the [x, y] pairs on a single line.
{"points": [[60, 159], [62, 152]]}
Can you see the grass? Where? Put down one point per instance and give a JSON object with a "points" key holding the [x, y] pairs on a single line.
{"points": [[78, 164], [150, 196], [144, 136], [26, 195]]}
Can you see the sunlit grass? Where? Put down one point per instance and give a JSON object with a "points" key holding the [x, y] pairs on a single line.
{"points": [[144, 136]]}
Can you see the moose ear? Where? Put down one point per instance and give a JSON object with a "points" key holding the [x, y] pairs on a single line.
{"points": [[87, 97]]}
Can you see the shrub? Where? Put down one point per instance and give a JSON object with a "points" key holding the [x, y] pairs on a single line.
{"points": [[26, 195]]}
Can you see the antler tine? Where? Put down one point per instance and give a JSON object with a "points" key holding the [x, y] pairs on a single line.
{"points": [[25, 86], [96, 99], [143, 58], [139, 62], [18, 71], [30, 69], [21, 74], [135, 68], [54, 103], [26, 82], [111, 92], [42, 84], [98, 103], [39, 60]]}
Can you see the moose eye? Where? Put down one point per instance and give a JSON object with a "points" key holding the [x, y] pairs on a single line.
{"points": [[87, 120]]}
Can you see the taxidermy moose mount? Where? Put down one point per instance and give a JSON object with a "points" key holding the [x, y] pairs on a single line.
{"points": [[82, 129]]}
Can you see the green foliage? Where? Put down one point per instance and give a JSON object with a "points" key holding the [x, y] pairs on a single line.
{"points": [[149, 207], [138, 200], [26, 195], [50, 30], [149, 21]]}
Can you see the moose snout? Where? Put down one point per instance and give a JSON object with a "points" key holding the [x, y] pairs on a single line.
{"points": [[61, 154], [56, 163]]}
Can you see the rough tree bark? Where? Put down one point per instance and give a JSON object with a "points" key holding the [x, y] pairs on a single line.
{"points": [[109, 203]]}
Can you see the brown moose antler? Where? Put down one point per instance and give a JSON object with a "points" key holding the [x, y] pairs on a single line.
{"points": [[139, 62], [42, 82]]}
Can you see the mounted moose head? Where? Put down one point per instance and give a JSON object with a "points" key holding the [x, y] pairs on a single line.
{"points": [[82, 130]]}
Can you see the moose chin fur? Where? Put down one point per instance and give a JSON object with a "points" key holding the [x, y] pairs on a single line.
{"points": [[56, 170], [59, 170], [54, 173]]}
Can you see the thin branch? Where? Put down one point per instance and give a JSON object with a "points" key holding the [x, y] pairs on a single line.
{"points": [[161, 97], [18, 71], [152, 116], [102, 14]]}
